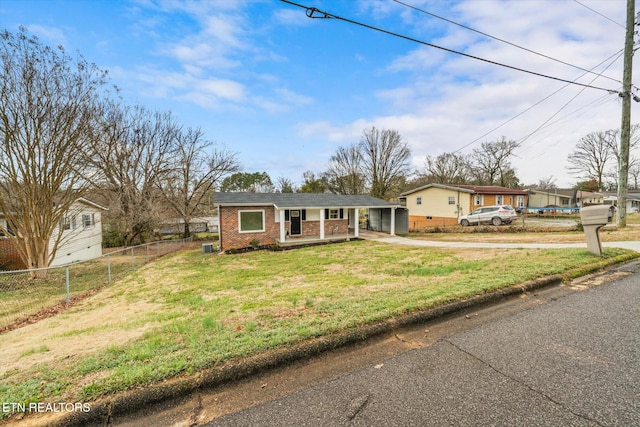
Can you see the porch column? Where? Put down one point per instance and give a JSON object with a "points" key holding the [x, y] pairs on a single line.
{"points": [[283, 234], [321, 224], [392, 230], [356, 222]]}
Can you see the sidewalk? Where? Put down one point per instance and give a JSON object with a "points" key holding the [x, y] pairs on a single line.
{"points": [[397, 240]]}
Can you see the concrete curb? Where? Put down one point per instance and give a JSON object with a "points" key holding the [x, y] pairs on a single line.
{"points": [[130, 401]]}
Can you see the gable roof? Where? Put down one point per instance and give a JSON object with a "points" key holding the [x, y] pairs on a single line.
{"points": [[473, 189], [299, 200], [580, 194]]}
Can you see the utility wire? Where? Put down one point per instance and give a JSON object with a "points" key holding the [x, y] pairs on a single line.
{"points": [[315, 13], [498, 39], [563, 106], [598, 13], [616, 55]]}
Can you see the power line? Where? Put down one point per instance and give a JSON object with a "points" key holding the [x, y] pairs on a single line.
{"points": [[617, 55], [499, 39], [315, 13], [598, 13]]}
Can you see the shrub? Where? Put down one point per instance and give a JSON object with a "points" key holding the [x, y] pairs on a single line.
{"points": [[255, 243]]}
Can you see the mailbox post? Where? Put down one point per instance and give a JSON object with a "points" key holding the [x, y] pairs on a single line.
{"points": [[593, 219]]}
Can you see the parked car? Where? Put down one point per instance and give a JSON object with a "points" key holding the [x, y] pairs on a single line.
{"points": [[496, 215]]}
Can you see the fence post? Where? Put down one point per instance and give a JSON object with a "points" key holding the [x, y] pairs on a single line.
{"points": [[133, 261], [147, 247], [108, 269], [67, 282]]}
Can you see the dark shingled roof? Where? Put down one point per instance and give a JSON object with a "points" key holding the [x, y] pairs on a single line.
{"points": [[300, 200]]}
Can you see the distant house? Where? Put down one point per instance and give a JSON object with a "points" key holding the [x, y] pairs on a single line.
{"points": [[542, 201], [279, 218], [633, 201], [439, 204], [81, 229], [196, 225], [562, 200]]}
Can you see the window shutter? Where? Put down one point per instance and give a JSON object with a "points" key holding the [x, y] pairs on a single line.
{"points": [[304, 214], [341, 213], [326, 214], [286, 215]]}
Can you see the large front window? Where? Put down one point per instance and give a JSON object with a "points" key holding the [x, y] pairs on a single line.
{"points": [[251, 221]]}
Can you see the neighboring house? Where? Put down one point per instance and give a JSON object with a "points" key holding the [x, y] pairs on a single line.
{"points": [[633, 201], [273, 218], [562, 200], [439, 204], [550, 201], [583, 198], [196, 225], [81, 227]]}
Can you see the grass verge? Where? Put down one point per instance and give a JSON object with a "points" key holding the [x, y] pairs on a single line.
{"points": [[191, 311]]}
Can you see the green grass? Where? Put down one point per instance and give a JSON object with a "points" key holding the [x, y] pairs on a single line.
{"points": [[215, 308]]}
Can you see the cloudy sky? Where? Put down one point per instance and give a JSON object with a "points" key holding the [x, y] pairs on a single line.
{"points": [[285, 91]]}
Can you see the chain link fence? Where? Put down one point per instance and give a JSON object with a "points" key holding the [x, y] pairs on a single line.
{"points": [[28, 295]]}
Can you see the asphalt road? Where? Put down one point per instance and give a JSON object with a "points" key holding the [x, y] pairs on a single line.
{"points": [[574, 361]]}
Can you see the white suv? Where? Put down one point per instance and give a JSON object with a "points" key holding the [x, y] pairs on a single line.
{"points": [[496, 215]]}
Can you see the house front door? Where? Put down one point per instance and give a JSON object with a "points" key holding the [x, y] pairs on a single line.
{"points": [[296, 223]]}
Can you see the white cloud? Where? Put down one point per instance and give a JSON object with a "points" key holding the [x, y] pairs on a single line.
{"points": [[50, 35]]}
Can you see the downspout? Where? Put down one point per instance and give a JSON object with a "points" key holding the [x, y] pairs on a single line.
{"points": [[220, 227]]}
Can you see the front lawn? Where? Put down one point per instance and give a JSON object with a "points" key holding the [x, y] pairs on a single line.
{"points": [[189, 311]]}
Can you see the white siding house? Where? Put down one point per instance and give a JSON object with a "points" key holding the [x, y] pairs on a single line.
{"points": [[82, 233], [81, 239]]}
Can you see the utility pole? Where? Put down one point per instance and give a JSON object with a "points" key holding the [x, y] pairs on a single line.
{"points": [[625, 131]]}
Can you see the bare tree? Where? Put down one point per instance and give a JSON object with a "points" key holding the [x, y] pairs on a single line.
{"points": [[490, 164], [386, 161], [591, 157], [47, 120], [345, 172], [133, 155], [634, 173], [285, 185], [195, 168], [447, 168], [547, 183]]}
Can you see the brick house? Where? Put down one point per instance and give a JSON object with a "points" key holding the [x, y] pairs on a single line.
{"points": [[275, 218], [440, 205]]}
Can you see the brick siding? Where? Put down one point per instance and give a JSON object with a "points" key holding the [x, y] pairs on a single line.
{"points": [[417, 222], [231, 238], [9, 256]]}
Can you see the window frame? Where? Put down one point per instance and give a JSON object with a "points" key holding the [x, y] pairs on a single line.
{"points": [[452, 200], [68, 223], [246, 211], [91, 220], [418, 200]]}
